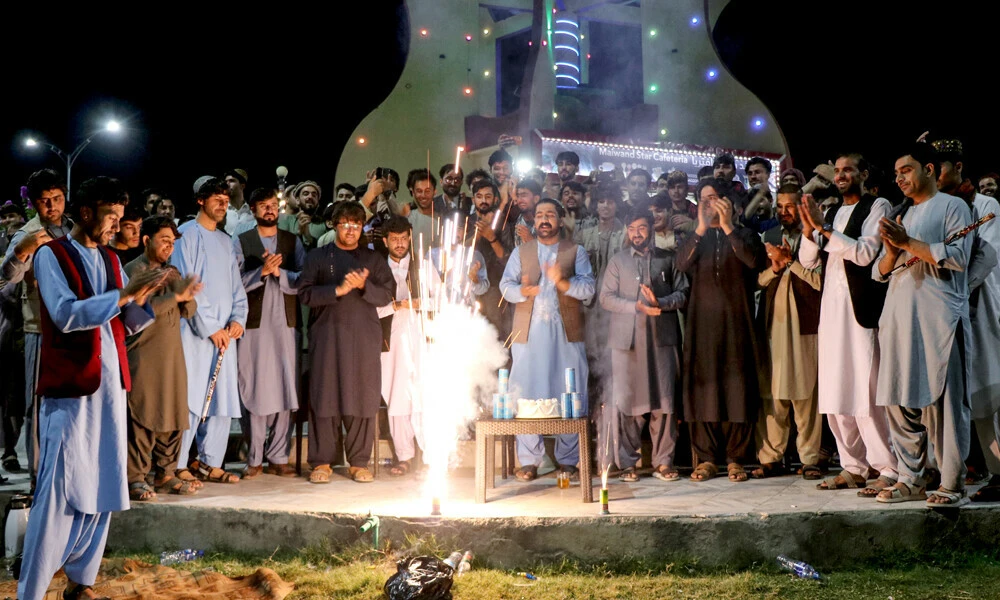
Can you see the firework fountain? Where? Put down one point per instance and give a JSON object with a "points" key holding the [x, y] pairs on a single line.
{"points": [[459, 354]]}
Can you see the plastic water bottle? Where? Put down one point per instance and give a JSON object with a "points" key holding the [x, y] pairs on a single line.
{"points": [[180, 556], [453, 560], [466, 565], [801, 569]]}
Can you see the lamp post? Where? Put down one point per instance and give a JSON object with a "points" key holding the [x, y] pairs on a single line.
{"points": [[111, 126]]}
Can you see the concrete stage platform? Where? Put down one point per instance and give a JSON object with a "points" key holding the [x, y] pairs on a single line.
{"points": [[712, 523]]}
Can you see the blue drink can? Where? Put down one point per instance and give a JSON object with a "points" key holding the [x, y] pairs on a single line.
{"points": [[566, 405], [508, 406], [502, 380], [579, 410], [570, 380], [497, 406]]}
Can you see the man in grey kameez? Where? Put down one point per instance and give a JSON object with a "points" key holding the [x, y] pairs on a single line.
{"points": [[88, 306], [643, 292], [47, 191], [270, 260], [923, 333]]}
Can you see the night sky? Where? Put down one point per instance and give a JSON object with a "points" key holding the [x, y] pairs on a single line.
{"points": [[214, 90]]}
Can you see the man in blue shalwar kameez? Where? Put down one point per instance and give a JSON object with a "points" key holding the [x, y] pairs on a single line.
{"points": [[547, 280], [88, 306], [207, 252]]}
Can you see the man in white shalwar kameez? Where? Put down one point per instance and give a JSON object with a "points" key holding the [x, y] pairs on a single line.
{"points": [[924, 332], [88, 307], [403, 335], [207, 252], [984, 313], [848, 238]]}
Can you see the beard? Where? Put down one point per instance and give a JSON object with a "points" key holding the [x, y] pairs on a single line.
{"points": [[265, 222], [484, 210], [546, 231]]}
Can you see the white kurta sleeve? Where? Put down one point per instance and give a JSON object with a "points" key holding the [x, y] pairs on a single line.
{"points": [[866, 248]]}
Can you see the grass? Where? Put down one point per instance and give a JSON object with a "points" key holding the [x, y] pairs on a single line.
{"points": [[359, 573]]}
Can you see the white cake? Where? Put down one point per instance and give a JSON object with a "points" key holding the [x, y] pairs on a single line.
{"points": [[543, 408]]}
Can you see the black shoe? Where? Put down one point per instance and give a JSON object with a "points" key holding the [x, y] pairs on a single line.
{"points": [[11, 464]]}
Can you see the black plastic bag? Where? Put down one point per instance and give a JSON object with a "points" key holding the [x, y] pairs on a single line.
{"points": [[420, 578]]}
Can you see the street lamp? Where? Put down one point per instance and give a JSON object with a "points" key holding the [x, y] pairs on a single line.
{"points": [[111, 126]]}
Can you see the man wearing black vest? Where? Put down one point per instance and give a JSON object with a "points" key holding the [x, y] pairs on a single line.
{"points": [[789, 319], [270, 260], [402, 337], [846, 242]]}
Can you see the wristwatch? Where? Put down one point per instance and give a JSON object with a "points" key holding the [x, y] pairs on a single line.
{"points": [[828, 227]]}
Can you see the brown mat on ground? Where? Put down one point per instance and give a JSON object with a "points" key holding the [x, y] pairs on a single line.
{"points": [[122, 578]]}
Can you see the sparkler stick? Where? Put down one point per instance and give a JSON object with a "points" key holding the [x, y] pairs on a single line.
{"points": [[458, 154], [951, 238], [432, 201], [514, 338], [211, 385], [508, 339], [496, 219]]}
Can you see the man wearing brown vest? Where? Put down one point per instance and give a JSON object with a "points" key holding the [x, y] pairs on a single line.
{"points": [[547, 280], [789, 320], [270, 260]]}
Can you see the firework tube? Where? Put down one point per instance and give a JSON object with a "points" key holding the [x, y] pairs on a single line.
{"points": [[579, 410], [508, 406], [435, 507], [497, 406], [566, 405], [503, 379], [951, 238], [211, 385], [604, 501], [570, 379]]}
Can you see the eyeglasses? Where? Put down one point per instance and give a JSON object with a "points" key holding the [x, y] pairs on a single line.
{"points": [[350, 226]]}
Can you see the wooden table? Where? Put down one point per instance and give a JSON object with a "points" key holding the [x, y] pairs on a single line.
{"points": [[488, 429]]}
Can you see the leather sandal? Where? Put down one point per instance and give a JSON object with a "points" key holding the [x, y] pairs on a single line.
{"points": [[320, 474], [361, 474], [527, 473], [704, 471]]}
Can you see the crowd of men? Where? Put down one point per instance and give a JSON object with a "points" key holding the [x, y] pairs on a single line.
{"points": [[739, 315]]}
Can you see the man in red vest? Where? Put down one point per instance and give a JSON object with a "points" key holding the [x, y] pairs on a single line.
{"points": [[88, 307]]}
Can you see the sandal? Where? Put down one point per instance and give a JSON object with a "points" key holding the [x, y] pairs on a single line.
{"points": [[951, 499], [361, 474], [528, 473], [989, 492], [840, 481], [80, 591], [320, 474], [736, 472], [812, 472], [175, 485], [213, 474], [895, 494], [872, 489], [628, 475], [705, 471], [186, 476], [766, 470], [139, 491], [399, 469], [665, 473]]}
